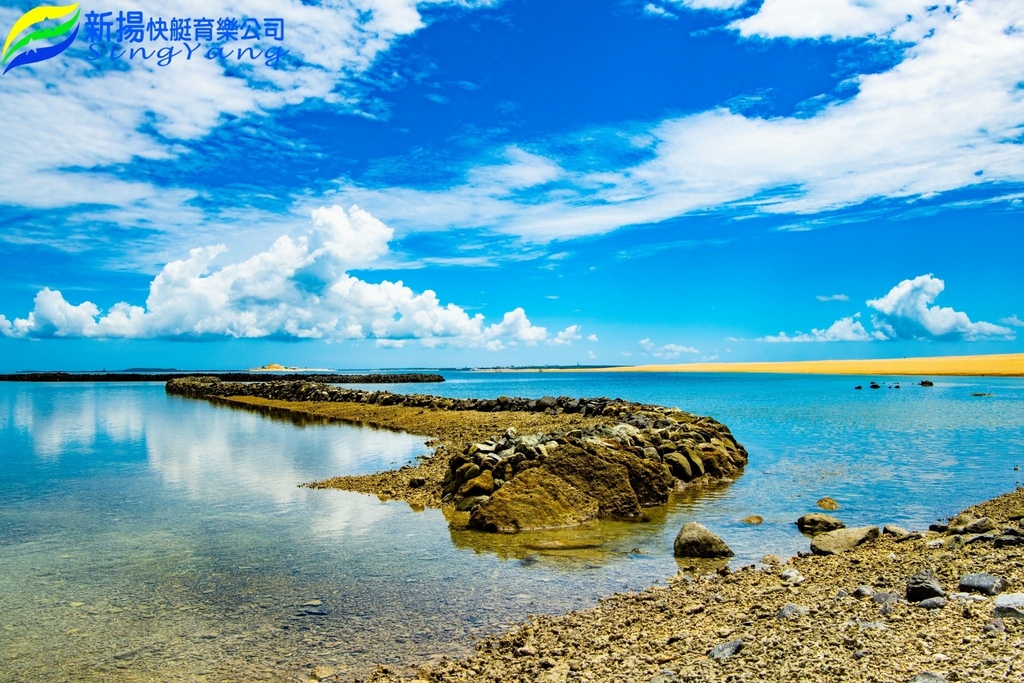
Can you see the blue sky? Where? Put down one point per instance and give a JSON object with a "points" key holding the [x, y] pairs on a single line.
{"points": [[488, 182]]}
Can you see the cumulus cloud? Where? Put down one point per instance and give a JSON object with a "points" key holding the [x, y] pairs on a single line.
{"points": [[593, 337], [832, 297], [567, 336], [668, 351], [845, 329], [906, 312], [297, 289]]}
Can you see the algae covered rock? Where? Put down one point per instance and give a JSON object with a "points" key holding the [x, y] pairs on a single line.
{"points": [[535, 499], [694, 540], [829, 504]]}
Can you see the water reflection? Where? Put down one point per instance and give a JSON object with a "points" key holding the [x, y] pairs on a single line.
{"points": [[172, 533]]}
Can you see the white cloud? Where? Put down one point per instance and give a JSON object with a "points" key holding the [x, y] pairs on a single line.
{"points": [[906, 312], [521, 170], [652, 10], [567, 336], [711, 4], [1012, 320], [832, 297], [667, 351], [298, 288], [830, 18], [82, 119], [845, 329], [946, 117], [593, 337], [591, 355]]}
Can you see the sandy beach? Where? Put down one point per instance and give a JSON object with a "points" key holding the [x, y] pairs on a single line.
{"points": [[994, 365]]}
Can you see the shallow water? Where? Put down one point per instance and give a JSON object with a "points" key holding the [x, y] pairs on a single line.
{"points": [[147, 537]]}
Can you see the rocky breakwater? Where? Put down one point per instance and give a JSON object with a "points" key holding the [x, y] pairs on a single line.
{"points": [[570, 459], [612, 469]]}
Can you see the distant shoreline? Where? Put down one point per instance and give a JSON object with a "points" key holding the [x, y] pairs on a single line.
{"points": [[994, 365]]}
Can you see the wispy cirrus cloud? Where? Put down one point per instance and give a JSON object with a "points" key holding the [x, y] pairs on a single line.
{"points": [[87, 119], [832, 297], [945, 118]]}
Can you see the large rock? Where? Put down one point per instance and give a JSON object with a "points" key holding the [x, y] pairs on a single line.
{"points": [[694, 540], [818, 523], [924, 585], [482, 485], [832, 542], [986, 584], [1010, 606], [619, 481], [535, 499]]}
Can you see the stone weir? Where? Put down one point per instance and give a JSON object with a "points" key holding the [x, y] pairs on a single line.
{"points": [[594, 457]]}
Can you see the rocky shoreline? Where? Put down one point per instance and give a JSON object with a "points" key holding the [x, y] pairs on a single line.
{"points": [[511, 464], [867, 604], [927, 607]]}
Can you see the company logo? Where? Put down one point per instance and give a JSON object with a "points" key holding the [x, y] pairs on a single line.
{"points": [[33, 53]]}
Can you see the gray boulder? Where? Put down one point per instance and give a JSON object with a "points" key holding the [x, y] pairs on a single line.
{"points": [[986, 584], [1010, 606], [832, 542], [932, 603], [924, 585], [694, 540]]}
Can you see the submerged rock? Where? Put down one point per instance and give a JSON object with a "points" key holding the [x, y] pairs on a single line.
{"points": [[694, 540], [829, 504]]}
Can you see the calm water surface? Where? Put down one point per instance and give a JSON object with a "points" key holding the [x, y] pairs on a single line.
{"points": [[147, 537]]}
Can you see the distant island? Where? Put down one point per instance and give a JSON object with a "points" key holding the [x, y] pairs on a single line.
{"points": [[276, 367]]}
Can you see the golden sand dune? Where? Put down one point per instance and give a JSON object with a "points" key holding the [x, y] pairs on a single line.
{"points": [[995, 365]]}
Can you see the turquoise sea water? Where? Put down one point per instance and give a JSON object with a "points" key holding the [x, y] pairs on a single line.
{"points": [[147, 537]]}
